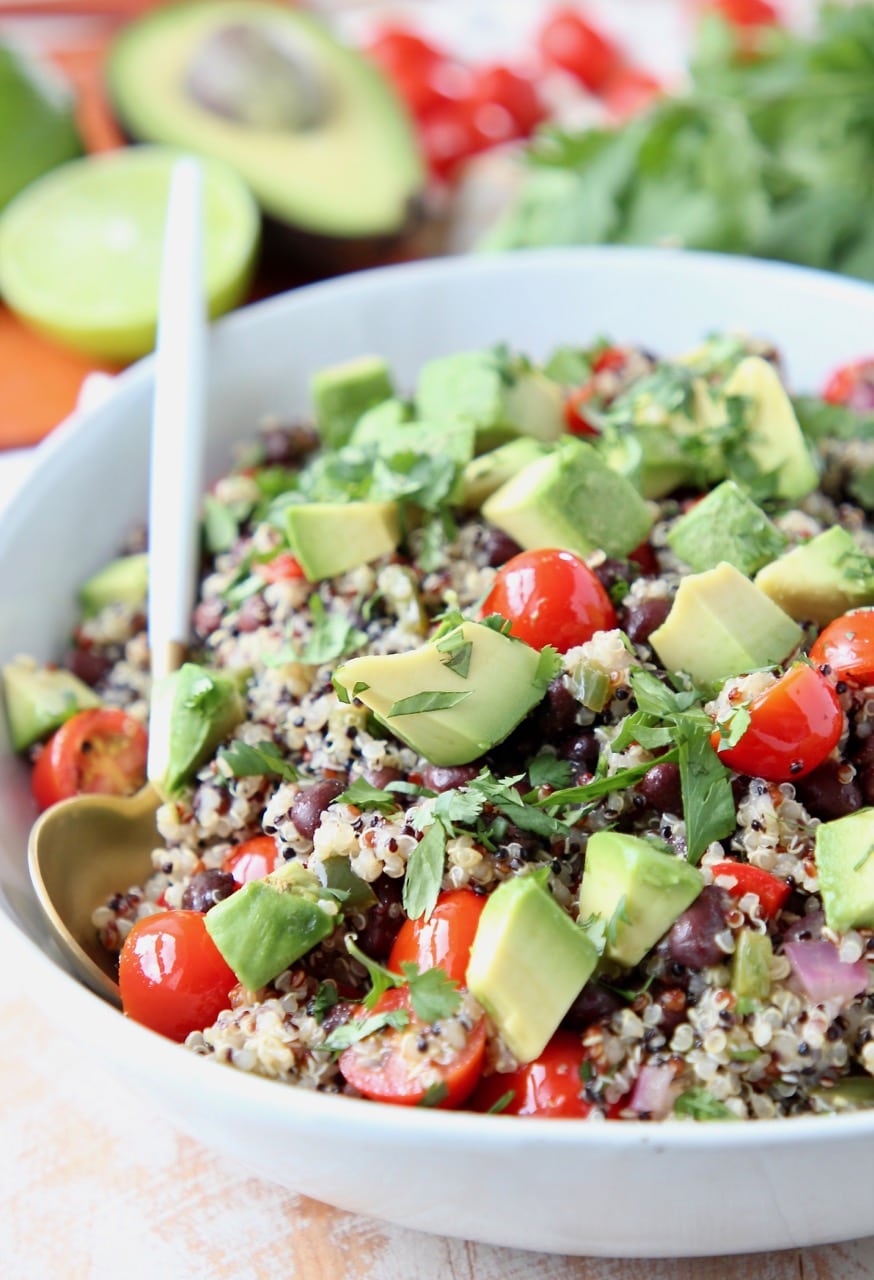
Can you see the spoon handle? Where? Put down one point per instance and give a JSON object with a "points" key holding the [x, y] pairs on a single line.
{"points": [[178, 422]]}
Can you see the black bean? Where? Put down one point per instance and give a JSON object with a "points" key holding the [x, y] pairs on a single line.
{"points": [[285, 444], [384, 919], [254, 613], [866, 783], [499, 547], [691, 940], [311, 802], [642, 619], [824, 794], [380, 778], [558, 711], [862, 753], [90, 665], [593, 1004], [444, 777], [611, 572], [582, 749], [206, 888], [661, 787], [208, 616]]}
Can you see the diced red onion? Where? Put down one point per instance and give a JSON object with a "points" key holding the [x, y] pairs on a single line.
{"points": [[822, 974], [653, 1091]]}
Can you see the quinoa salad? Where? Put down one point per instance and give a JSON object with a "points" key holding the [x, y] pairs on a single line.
{"points": [[523, 760]]}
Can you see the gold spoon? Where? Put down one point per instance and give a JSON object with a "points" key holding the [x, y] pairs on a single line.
{"points": [[85, 849]]}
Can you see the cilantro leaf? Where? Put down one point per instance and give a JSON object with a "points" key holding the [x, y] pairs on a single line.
{"points": [[708, 801], [425, 873], [434, 994], [360, 1028], [458, 652], [220, 526], [434, 1094], [243, 760], [365, 796], [324, 1000], [427, 700], [501, 1104], [733, 729], [381, 979], [546, 770], [656, 699], [588, 792], [700, 1104]]}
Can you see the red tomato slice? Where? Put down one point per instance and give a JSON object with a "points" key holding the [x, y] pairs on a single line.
{"points": [[771, 892], [101, 750], [253, 859], [282, 568], [847, 646], [171, 975], [574, 414], [566, 40], [412, 64], [550, 597], [793, 726], [852, 385], [552, 1086], [443, 941], [384, 1066], [515, 93]]}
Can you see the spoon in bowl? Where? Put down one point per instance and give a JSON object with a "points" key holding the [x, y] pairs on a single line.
{"points": [[84, 849]]}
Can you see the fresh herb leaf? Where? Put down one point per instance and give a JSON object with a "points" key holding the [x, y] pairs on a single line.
{"points": [[434, 1094], [501, 1104], [220, 526], [656, 699], [701, 1105], [381, 979], [243, 760], [620, 916], [365, 796], [589, 792], [708, 801], [427, 700], [497, 622], [434, 994], [546, 770], [324, 1000], [425, 873], [457, 650], [549, 664], [360, 1028], [733, 729], [503, 795]]}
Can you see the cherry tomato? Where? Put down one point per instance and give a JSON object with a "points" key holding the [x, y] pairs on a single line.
{"points": [[550, 597], [793, 726], [552, 1086], [566, 40], [515, 93], [746, 13], [443, 941], [574, 413], [412, 64], [253, 859], [852, 385], [847, 646], [629, 91], [455, 132], [282, 568], [101, 750], [383, 1068], [171, 975], [610, 359], [771, 892]]}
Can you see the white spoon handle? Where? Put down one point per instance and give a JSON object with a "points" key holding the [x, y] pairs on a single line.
{"points": [[178, 423]]}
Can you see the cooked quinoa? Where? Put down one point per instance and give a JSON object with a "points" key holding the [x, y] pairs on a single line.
{"points": [[672, 1029]]}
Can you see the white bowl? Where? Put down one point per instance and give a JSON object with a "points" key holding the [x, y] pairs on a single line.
{"points": [[566, 1186]]}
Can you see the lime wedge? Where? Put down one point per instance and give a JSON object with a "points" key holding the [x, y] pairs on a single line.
{"points": [[37, 125], [80, 249]]}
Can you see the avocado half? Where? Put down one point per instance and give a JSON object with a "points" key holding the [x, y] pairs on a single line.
{"points": [[328, 150]]}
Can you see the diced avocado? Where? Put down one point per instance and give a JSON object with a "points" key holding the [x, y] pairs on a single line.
{"points": [[844, 856], [726, 525], [503, 397], [821, 579], [40, 699], [571, 499], [485, 474], [853, 1093], [382, 418], [722, 625], [343, 392], [268, 924], [751, 965], [665, 464], [633, 891], [328, 538], [569, 366], [456, 697], [775, 442], [122, 581], [528, 963], [192, 710]]}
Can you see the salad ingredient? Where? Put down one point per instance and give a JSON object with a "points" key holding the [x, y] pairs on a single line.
{"points": [[823, 975], [342, 393], [769, 156], [444, 939], [485, 474], [252, 860], [568, 41], [528, 963], [789, 730], [632, 892], [39, 700], [846, 645], [313, 129], [108, 306], [774, 439], [122, 581], [726, 525], [573, 500], [550, 598], [98, 750], [751, 966], [721, 625], [370, 530], [456, 697], [193, 709], [845, 866], [820, 579], [409, 1062], [171, 976], [553, 1085], [740, 878], [38, 125], [852, 385]]}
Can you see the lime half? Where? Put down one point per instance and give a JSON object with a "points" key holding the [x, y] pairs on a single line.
{"points": [[80, 249]]}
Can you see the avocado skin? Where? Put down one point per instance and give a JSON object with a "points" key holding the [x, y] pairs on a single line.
{"points": [[37, 128]]}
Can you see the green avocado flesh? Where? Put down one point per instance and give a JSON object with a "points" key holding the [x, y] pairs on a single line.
{"points": [[311, 126]]}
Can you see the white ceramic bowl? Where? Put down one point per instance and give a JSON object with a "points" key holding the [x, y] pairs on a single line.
{"points": [[564, 1186]]}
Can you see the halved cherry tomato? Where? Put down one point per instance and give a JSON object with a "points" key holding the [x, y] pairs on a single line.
{"points": [[610, 359], [852, 385], [101, 750], [771, 892], [412, 64], [171, 975], [514, 92], [793, 726], [629, 91], [566, 40], [253, 859], [443, 941], [282, 568], [575, 419], [552, 1086], [746, 13], [550, 597], [456, 131], [386, 1065], [847, 646]]}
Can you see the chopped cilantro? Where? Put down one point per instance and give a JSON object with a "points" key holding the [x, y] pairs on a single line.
{"points": [[360, 1028], [220, 526], [243, 760], [708, 800], [364, 796], [701, 1105], [324, 1000], [733, 729], [428, 700], [501, 1104], [434, 1094], [425, 873], [620, 916], [434, 994], [457, 650], [546, 770]]}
